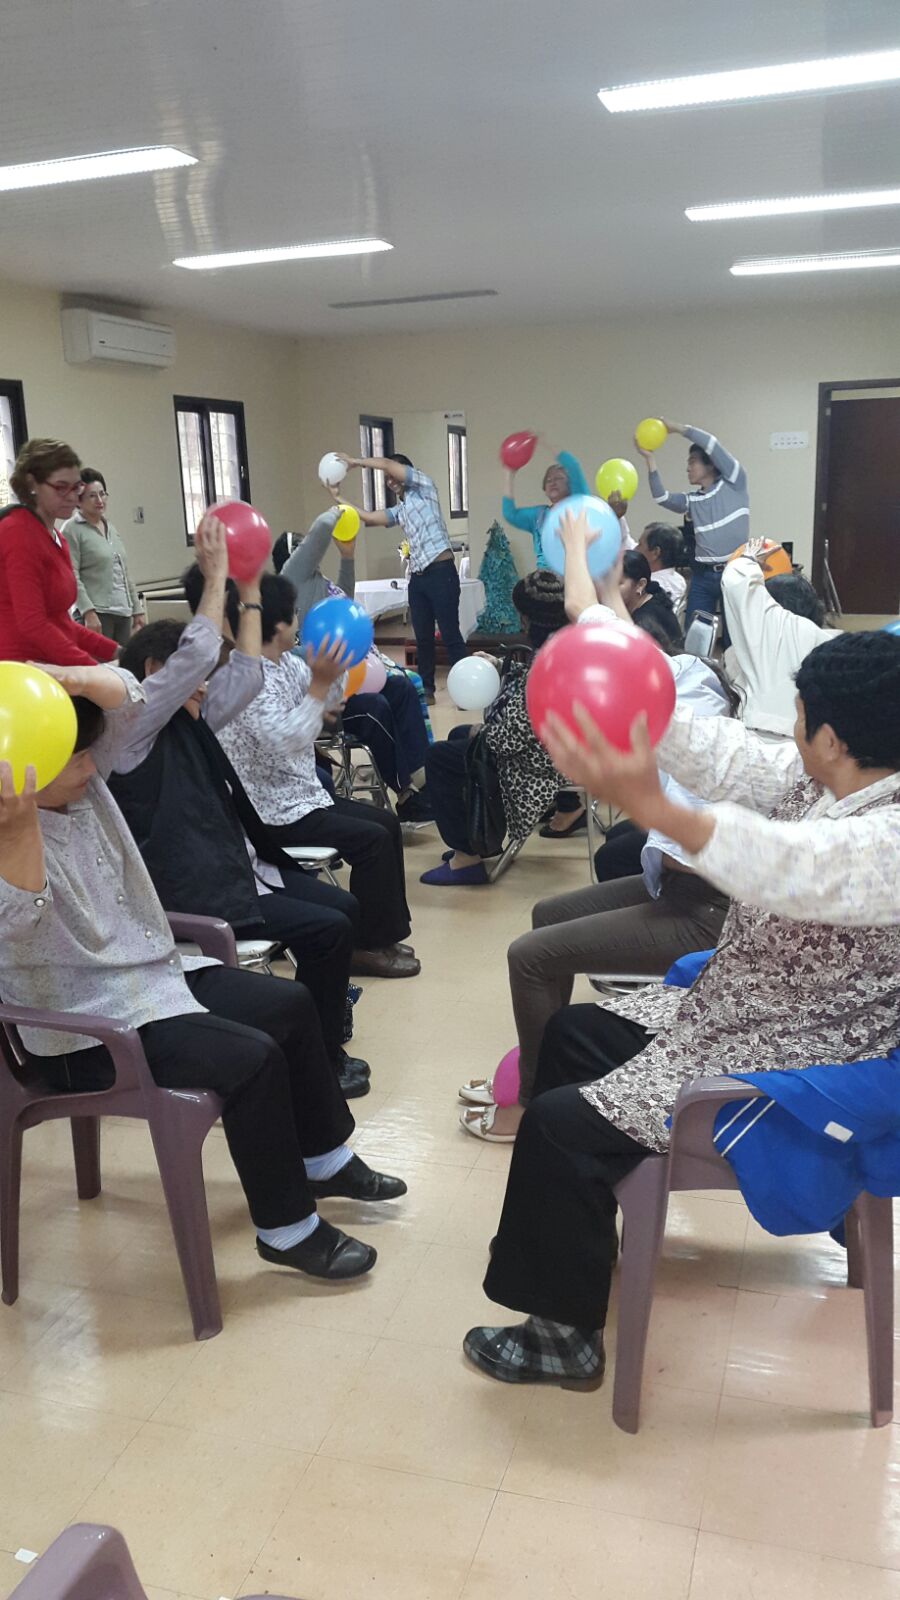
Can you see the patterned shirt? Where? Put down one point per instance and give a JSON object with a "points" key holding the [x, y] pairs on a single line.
{"points": [[95, 939], [272, 744], [807, 968], [419, 515]]}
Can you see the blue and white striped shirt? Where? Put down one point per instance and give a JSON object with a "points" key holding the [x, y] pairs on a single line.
{"points": [[419, 515]]}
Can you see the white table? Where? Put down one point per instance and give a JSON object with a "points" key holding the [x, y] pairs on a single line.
{"points": [[379, 596]]}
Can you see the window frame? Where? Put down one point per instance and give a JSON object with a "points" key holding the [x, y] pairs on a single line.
{"points": [[458, 493], [370, 495], [200, 406]]}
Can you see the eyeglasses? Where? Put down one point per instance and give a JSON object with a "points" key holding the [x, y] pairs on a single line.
{"points": [[65, 488]]}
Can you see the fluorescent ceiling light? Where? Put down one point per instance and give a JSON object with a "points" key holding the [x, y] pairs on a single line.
{"points": [[282, 252], [109, 164], [794, 205], [753, 83], [840, 261]]}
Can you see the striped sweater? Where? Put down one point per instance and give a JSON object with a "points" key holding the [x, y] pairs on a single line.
{"points": [[720, 514]]}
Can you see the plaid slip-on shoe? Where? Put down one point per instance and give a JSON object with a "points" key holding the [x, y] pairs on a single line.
{"points": [[538, 1351]]}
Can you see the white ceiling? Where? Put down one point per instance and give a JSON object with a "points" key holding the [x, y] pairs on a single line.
{"points": [[467, 133]]}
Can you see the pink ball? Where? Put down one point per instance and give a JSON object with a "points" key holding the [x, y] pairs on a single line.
{"points": [[506, 1079], [247, 537], [375, 678]]}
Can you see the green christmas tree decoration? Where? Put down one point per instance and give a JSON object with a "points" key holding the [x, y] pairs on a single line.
{"points": [[499, 576]]}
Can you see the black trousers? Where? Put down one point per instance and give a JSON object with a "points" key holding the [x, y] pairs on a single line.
{"points": [[554, 1250], [619, 855], [434, 598], [371, 841], [392, 725], [260, 1047], [320, 926], [445, 772]]}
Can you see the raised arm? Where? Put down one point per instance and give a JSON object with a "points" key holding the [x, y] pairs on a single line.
{"points": [[21, 851], [391, 469], [586, 600], [294, 732], [310, 553], [572, 468], [722, 459], [755, 621]]}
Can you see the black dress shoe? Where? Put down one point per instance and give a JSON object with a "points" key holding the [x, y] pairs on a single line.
{"points": [[354, 1065], [327, 1253], [353, 1085], [356, 1181]]}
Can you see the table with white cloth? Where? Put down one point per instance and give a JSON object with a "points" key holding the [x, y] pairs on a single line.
{"points": [[378, 596]]}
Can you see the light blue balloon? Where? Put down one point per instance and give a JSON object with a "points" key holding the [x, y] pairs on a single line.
{"points": [[605, 544], [893, 627]]}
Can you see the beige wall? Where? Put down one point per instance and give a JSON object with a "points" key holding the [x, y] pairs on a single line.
{"points": [[585, 386], [121, 418]]}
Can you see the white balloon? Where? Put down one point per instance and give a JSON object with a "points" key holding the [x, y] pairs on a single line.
{"points": [[473, 683], [332, 470]]}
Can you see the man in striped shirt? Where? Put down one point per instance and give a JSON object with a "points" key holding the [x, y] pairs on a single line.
{"points": [[718, 505]]}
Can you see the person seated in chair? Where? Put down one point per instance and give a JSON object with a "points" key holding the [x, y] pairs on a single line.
{"points": [[804, 838], [203, 843], [660, 545], [528, 782], [84, 931], [271, 745]]}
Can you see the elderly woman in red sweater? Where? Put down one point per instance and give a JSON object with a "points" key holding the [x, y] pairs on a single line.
{"points": [[37, 584]]}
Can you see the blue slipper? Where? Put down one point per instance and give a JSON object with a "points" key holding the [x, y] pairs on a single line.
{"points": [[445, 877]]}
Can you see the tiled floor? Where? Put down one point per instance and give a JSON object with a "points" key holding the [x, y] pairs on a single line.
{"points": [[332, 1444]]}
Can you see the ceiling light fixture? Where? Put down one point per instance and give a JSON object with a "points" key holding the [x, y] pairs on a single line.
{"points": [[413, 299], [107, 164], [754, 83], [794, 205], [283, 252], [839, 261]]}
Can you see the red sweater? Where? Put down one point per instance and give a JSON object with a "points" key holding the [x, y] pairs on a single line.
{"points": [[37, 587]]}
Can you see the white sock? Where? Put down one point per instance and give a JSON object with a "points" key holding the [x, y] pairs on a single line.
{"points": [[331, 1162], [292, 1233], [417, 778]]}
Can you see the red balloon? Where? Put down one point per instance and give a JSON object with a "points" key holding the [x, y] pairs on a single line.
{"points": [[615, 671], [517, 450], [247, 538]]}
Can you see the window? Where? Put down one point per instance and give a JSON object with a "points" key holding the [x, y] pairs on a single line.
{"points": [[376, 438], [458, 454], [13, 432], [212, 451]]}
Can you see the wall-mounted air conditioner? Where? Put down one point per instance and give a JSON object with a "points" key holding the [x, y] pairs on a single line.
{"points": [[97, 336]]}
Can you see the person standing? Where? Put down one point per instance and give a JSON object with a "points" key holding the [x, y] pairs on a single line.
{"points": [[718, 504], [107, 598], [434, 580], [37, 584]]}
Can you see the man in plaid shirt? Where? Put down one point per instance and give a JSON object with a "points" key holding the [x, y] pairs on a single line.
{"points": [[433, 578]]}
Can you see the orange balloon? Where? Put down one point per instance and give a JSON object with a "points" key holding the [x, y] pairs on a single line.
{"points": [[354, 679], [777, 565]]}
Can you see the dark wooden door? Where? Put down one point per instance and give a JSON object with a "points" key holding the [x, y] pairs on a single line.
{"points": [[862, 512]]}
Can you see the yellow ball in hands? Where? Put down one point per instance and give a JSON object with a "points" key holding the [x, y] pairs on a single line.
{"points": [[347, 525], [651, 433], [616, 476], [37, 723]]}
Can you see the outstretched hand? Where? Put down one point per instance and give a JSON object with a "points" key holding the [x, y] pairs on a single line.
{"points": [[17, 811], [210, 548], [327, 665], [626, 779]]}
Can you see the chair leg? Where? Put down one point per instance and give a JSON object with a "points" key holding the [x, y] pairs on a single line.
{"points": [[876, 1230], [643, 1197], [505, 859], [178, 1142], [10, 1194], [855, 1269], [86, 1148]]}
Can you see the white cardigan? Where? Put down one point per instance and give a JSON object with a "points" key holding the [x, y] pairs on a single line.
{"points": [[768, 644]]}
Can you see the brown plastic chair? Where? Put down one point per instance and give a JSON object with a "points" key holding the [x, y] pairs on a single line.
{"points": [[693, 1162], [179, 1121], [88, 1562]]}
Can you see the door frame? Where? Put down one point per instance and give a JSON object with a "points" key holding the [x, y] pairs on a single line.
{"points": [[823, 443]]}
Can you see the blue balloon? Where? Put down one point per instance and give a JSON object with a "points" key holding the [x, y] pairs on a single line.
{"points": [[603, 549], [339, 621], [893, 627]]}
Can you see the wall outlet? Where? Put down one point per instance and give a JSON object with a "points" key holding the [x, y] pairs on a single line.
{"points": [[138, 514], [788, 441]]}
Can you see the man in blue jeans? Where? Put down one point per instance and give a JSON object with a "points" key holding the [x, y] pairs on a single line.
{"points": [[434, 580]]}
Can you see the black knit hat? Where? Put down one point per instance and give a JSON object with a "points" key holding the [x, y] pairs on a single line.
{"points": [[539, 599]]}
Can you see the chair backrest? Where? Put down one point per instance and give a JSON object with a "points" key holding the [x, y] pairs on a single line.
{"points": [[701, 635], [86, 1562]]}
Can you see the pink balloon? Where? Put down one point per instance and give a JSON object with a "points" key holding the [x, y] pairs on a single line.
{"points": [[375, 678], [505, 1083], [247, 537], [517, 450], [614, 670]]}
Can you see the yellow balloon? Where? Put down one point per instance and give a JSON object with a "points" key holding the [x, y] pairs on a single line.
{"points": [[37, 723], [616, 476], [651, 433], [347, 525]]}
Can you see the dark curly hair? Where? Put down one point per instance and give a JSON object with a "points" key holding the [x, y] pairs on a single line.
{"points": [[852, 684], [540, 599]]}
